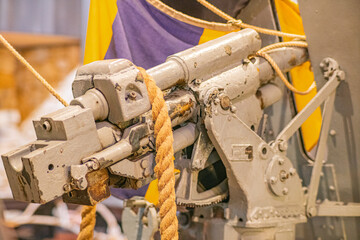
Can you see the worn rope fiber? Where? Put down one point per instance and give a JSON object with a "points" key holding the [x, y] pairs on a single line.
{"points": [[240, 24], [88, 213], [88, 220], [263, 53], [32, 70], [164, 168]]}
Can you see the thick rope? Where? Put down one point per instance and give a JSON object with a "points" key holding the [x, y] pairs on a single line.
{"points": [[240, 24], [164, 159], [263, 53], [88, 220], [32, 70]]}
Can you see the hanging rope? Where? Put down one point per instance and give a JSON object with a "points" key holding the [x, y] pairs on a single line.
{"points": [[88, 220], [88, 212], [32, 70], [164, 168], [240, 24], [263, 53]]}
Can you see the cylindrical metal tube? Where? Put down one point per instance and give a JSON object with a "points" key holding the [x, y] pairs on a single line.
{"points": [[181, 106], [268, 94], [94, 100], [286, 58], [108, 133], [206, 59], [238, 82], [184, 136]]}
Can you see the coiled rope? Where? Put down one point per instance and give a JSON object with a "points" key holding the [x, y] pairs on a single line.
{"points": [[164, 168]]}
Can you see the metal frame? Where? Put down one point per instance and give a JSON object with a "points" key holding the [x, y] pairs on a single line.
{"points": [[326, 95]]}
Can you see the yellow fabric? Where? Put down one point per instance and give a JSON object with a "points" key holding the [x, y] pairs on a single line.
{"points": [[152, 193], [99, 31], [301, 76], [209, 34]]}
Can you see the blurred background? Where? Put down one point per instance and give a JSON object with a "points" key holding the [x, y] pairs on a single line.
{"points": [[50, 34]]}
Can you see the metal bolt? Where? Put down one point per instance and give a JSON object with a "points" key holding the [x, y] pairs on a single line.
{"points": [[332, 132], [283, 146], [281, 161], [66, 187], [47, 126], [197, 81], [340, 74], [139, 184], [285, 191], [132, 95], [292, 171], [233, 109], [225, 102], [312, 212], [283, 176], [273, 180]]}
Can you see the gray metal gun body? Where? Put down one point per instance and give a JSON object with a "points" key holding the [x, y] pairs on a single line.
{"points": [[216, 95]]}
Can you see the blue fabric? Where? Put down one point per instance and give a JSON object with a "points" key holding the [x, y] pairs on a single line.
{"points": [[146, 36]]}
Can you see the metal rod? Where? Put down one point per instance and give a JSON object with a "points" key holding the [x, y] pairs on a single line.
{"points": [[320, 155], [301, 117]]}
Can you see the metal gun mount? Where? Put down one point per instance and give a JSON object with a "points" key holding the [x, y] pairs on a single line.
{"points": [[216, 93]]}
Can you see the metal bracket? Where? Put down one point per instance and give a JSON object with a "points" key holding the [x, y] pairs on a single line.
{"points": [[143, 224]]}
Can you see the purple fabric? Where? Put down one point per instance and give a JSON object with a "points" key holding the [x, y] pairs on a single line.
{"points": [[146, 36]]}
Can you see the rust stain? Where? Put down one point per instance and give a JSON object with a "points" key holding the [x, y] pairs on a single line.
{"points": [[181, 109], [258, 95], [228, 50], [292, 61], [98, 188]]}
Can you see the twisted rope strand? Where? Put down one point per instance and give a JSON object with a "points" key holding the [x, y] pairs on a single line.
{"points": [[240, 24], [88, 220], [282, 77], [164, 159], [32, 70]]}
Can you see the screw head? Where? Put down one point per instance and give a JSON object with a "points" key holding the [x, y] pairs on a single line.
{"points": [[312, 212], [66, 187], [225, 102], [283, 146], [47, 126], [132, 95], [285, 191], [273, 180], [292, 171], [197, 81]]}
